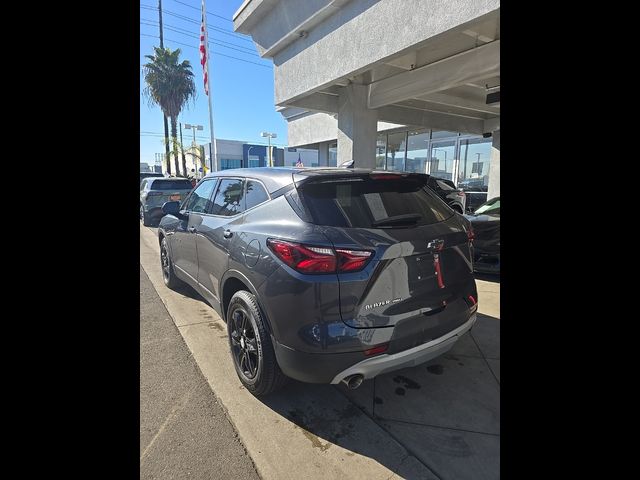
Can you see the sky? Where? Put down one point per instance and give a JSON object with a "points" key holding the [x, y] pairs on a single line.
{"points": [[242, 93]]}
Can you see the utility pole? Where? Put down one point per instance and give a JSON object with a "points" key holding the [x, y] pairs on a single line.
{"points": [[184, 160], [166, 123]]}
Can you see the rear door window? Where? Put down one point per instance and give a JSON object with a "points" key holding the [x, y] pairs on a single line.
{"points": [[374, 203], [163, 184], [256, 194], [229, 199]]}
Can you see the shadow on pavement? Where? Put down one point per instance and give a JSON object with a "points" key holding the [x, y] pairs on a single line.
{"points": [[445, 413], [488, 277]]}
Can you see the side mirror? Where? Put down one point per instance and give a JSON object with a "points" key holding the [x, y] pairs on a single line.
{"points": [[172, 208]]}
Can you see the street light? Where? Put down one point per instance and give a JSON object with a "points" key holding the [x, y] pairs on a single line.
{"points": [[188, 126], [248, 153], [269, 136]]}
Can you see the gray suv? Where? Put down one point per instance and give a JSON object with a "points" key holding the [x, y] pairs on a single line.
{"points": [[155, 192], [323, 275]]}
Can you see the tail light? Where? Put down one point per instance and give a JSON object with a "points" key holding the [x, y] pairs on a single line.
{"points": [[470, 233], [352, 260], [311, 259], [376, 350]]}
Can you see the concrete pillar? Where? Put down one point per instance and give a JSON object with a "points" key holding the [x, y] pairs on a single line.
{"points": [[494, 168], [357, 127], [323, 154]]}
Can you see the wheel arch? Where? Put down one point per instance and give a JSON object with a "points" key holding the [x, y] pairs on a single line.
{"points": [[233, 281]]}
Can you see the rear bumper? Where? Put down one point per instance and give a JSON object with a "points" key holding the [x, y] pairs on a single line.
{"points": [[372, 367], [333, 367]]}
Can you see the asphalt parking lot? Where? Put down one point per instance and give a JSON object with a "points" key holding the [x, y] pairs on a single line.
{"points": [[436, 420]]}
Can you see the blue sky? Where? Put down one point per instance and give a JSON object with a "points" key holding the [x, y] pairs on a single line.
{"points": [[242, 92]]}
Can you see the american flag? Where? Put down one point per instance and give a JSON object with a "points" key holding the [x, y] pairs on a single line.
{"points": [[203, 50]]}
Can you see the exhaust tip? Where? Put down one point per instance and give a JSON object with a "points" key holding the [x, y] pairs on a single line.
{"points": [[353, 381]]}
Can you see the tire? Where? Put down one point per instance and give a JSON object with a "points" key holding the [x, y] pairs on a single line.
{"points": [[250, 345], [168, 274], [144, 217]]}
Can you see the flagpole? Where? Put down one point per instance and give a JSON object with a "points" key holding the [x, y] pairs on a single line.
{"points": [[213, 151]]}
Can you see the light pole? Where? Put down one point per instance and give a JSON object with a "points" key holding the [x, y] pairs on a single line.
{"points": [[248, 153], [270, 136], [188, 126]]}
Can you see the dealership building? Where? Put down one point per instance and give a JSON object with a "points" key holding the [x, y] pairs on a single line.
{"points": [[408, 85]]}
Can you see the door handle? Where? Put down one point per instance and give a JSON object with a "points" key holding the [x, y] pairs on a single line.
{"points": [[227, 234], [192, 229]]}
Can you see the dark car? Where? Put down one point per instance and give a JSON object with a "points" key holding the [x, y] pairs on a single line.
{"points": [[323, 275], [154, 192], [446, 190], [474, 200], [144, 175], [486, 244]]}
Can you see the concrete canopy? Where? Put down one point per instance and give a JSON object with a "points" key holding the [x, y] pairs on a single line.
{"points": [[422, 63]]}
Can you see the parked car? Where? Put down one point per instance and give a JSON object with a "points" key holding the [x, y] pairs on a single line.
{"points": [[154, 192], [323, 275], [446, 190], [486, 244], [474, 200], [473, 184], [144, 175]]}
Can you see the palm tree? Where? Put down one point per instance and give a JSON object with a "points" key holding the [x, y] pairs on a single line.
{"points": [[170, 85]]}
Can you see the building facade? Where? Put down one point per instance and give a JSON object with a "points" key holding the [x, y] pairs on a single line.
{"points": [[396, 84]]}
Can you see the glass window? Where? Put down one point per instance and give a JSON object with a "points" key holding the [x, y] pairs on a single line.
{"points": [[417, 151], [200, 199], [374, 203], [442, 159], [333, 154], [492, 207], [229, 198], [163, 184], [445, 184], [256, 194], [443, 134], [228, 163], [143, 184], [381, 151], [396, 145], [475, 156]]}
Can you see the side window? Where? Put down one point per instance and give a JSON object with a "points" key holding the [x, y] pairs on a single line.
{"points": [[200, 199], [444, 185], [143, 184], [229, 199], [256, 194]]}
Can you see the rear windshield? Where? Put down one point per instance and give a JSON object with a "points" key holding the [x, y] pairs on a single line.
{"points": [[171, 185], [374, 203]]}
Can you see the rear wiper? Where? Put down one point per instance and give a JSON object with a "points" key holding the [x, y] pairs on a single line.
{"points": [[408, 218]]}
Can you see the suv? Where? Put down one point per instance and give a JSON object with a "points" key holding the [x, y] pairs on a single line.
{"points": [[144, 175], [154, 192], [448, 192], [323, 275]]}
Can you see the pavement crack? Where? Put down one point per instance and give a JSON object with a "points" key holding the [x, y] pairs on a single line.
{"points": [[174, 411], [484, 358]]}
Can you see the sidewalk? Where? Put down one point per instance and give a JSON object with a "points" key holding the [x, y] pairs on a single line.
{"points": [[184, 432]]}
